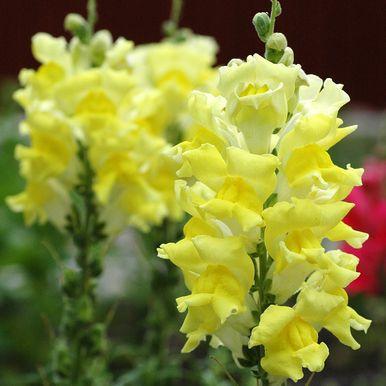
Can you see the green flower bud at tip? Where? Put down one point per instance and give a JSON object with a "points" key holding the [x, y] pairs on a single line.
{"points": [[74, 22], [261, 23], [278, 9], [277, 41]]}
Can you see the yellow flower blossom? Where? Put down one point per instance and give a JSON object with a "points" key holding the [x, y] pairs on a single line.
{"points": [[330, 310], [321, 97], [124, 165], [290, 343], [219, 274], [232, 191], [258, 94], [319, 129], [42, 201], [53, 149], [293, 236], [310, 173], [337, 268]]}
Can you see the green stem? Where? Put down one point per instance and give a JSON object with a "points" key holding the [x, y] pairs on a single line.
{"points": [[176, 11], [81, 341], [92, 16], [86, 290], [261, 262], [227, 373], [310, 380], [262, 274], [162, 315], [263, 303], [272, 17]]}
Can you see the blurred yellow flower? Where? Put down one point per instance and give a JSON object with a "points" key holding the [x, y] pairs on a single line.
{"points": [[175, 69], [76, 98]]}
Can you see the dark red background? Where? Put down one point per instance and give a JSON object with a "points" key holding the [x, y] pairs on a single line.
{"points": [[342, 39]]}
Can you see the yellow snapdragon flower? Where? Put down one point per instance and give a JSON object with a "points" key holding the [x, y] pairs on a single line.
{"points": [[293, 236], [53, 148], [218, 273], [259, 94], [237, 194], [42, 201], [330, 310], [310, 173], [290, 343]]}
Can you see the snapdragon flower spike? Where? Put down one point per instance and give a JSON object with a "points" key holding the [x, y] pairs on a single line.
{"points": [[86, 93], [257, 171]]}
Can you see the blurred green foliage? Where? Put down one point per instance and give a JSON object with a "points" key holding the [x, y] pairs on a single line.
{"points": [[28, 290]]}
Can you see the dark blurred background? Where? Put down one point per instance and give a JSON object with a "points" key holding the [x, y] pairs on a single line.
{"points": [[339, 39]]}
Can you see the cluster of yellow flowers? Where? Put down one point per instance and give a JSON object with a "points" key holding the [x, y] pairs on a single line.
{"points": [[116, 101], [264, 195], [172, 69]]}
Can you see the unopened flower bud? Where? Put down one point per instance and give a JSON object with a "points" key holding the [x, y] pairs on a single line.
{"points": [[71, 282], [288, 57], [25, 75], [84, 309], [278, 9], [169, 28], [94, 340], [61, 358], [102, 40], [277, 41], [100, 43], [96, 265], [261, 23], [75, 24]]}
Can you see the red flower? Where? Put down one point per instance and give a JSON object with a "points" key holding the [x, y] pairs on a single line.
{"points": [[369, 215]]}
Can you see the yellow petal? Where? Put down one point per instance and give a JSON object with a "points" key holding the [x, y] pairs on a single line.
{"points": [[272, 322], [206, 164], [313, 356], [344, 232]]}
